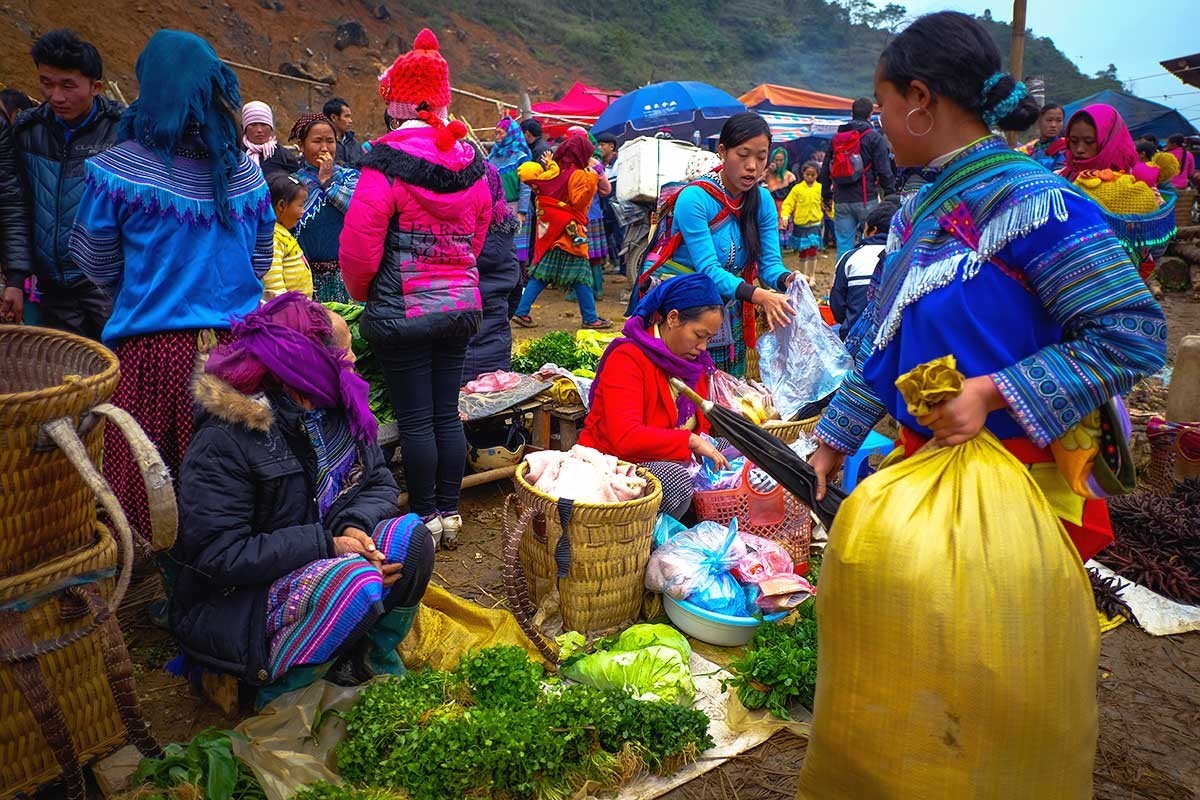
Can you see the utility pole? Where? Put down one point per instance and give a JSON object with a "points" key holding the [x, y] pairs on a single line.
{"points": [[1016, 56]]}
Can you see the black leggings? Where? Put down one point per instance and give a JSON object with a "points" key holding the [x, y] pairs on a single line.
{"points": [[423, 379]]}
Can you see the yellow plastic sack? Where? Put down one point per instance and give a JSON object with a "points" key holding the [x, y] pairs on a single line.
{"points": [[447, 626], [958, 639]]}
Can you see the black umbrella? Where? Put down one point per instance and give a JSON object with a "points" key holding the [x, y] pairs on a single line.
{"points": [[770, 455]]}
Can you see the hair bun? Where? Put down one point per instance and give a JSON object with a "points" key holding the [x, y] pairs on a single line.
{"points": [[1005, 103]]}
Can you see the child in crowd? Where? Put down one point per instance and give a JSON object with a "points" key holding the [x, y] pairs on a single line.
{"points": [[852, 276], [289, 268], [802, 208]]}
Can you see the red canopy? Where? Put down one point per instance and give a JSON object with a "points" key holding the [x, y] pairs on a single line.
{"points": [[582, 105]]}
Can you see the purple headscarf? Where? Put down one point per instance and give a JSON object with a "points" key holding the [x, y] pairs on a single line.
{"points": [[288, 339], [680, 293]]}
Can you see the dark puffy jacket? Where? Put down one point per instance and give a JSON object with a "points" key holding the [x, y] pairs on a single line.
{"points": [[51, 170], [416, 224], [490, 348], [14, 228], [247, 517], [877, 169]]}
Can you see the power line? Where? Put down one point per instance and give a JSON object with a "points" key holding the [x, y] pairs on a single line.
{"points": [[1168, 72]]}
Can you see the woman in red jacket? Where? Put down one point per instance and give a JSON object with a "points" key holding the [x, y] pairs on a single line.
{"points": [[635, 414]]}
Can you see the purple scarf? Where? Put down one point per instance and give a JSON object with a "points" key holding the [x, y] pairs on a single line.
{"points": [[686, 370], [287, 338]]}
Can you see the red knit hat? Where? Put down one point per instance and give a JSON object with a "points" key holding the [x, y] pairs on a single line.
{"points": [[418, 76]]}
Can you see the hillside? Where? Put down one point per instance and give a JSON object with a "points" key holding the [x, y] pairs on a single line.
{"points": [[498, 47]]}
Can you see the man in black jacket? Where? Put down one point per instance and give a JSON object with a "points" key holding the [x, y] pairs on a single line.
{"points": [[534, 138], [14, 232], [857, 165], [349, 151], [53, 141]]}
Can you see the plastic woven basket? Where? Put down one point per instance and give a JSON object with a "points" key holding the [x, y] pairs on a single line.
{"points": [[609, 545], [775, 515]]}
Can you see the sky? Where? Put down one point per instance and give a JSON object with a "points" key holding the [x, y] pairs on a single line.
{"points": [[1094, 33]]}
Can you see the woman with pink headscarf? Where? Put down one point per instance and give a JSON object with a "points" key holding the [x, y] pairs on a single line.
{"points": [[1102, 162]]}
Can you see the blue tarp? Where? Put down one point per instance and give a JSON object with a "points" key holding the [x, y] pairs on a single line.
{"points": [[1141, 116]]}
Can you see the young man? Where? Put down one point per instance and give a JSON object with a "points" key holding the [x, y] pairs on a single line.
{"points": [[534, 138], [855, 269], [855, 192], [53, 140], [349, 151], [612, 225]]}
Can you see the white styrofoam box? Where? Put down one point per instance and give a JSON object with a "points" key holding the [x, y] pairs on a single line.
{"points": [[646, 163]]}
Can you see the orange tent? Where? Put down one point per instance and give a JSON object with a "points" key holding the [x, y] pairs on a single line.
{"points": [[770, 97]]}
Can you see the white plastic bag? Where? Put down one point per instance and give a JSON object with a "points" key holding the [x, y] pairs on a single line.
{"points": [[805, 361]]}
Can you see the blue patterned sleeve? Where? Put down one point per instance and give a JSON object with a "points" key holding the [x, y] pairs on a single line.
{"points": [[855, 408], [96, 235], [1114, 332], [341, 188]]}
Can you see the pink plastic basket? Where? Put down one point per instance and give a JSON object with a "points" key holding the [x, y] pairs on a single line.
{"points": [[775, 515]]}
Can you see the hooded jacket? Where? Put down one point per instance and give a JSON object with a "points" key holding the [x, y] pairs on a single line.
{"points": [[51, 168], [247, 517], [415, 227]]}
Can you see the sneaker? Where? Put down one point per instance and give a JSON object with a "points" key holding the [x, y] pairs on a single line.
{"points": [[451, 527], [434, 524], [598, 325], [525, 322]]}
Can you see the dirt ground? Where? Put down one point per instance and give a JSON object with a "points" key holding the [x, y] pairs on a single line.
{"points": [[1149, 687]]}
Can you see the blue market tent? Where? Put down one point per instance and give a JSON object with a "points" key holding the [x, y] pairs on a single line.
{"points": [[1141, 116]]}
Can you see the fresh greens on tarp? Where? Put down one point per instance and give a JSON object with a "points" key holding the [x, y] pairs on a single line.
{"points": [[556, 347]]}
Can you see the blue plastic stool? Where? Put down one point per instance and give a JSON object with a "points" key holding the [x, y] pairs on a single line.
{"points": [[856, 465]]}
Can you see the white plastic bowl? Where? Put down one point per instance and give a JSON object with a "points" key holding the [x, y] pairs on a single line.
{"points": [[709, 626]]}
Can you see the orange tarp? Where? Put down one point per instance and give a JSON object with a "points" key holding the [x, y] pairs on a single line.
{"points": [[787, 97]]}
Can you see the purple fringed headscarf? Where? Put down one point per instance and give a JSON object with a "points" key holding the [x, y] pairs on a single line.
{"points": [[288, 339], [680, 293]]}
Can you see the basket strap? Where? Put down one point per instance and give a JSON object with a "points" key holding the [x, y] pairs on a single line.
{"points": [[42, 704], [562, 549], [119, 670], [62, 431], [516, 587], [160, 491]]}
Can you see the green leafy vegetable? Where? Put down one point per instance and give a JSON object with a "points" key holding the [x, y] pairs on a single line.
{"points": [[780, 663], [206, 764], [556, 347], [648, 661], [366, 364], [491, 729]]}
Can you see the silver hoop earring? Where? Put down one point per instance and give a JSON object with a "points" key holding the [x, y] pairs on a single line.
{"points": [[908, 122]]}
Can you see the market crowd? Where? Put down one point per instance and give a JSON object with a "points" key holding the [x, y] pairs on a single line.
{"points": [[200, 247]]}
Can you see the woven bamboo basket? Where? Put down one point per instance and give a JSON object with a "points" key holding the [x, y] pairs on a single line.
{"points": [[604, 555], [66, 681], [46, 509], [789, 431]]}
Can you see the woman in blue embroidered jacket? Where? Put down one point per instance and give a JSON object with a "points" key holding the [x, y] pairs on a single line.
{"points": [[726, 227], [330, 187], [176, 224], [997, 262]]}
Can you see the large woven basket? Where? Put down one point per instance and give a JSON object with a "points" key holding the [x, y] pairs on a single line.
{"points": [[599, 566], [46, 510], [66, 682], [789, 432]]}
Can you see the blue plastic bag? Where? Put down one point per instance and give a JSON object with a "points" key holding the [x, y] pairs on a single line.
{"points": [[694, 565]]}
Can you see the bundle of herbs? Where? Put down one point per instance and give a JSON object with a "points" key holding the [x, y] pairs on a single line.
{"points": [[779, 665], [1158, 541], [493, 728], [556, 347], [203, 769]]}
